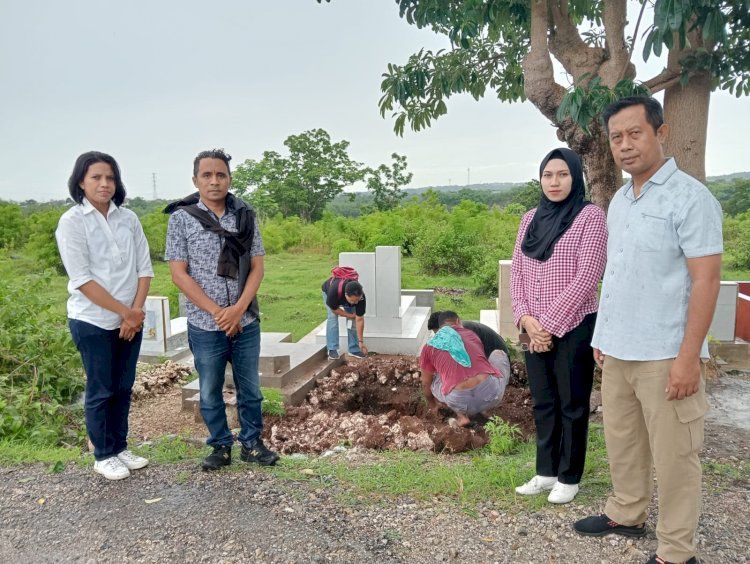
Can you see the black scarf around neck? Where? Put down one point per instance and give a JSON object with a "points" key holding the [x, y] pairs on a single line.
{"points": [[234, 259], [552, 219]]}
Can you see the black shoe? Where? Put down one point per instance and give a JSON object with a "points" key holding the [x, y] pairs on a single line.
{"points": [[333, 355], [656, 560], [358, 355], [258, 453], [600, 525], [221, 456]]}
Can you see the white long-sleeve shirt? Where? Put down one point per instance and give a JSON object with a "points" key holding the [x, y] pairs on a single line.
{"points": [[112, 251]]}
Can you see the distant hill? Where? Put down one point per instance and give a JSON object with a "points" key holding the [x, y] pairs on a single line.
{"points": [[488, 187], [729, 177]]}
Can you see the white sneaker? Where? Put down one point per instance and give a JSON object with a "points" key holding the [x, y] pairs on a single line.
{"points": [[111, 468], [537, 485], [562, 493], [132, 461]]}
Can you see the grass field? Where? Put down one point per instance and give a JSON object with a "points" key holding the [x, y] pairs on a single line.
{"points": [[290, 296]]}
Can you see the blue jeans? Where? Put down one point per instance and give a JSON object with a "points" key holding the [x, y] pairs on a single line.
{"points": [[212, 350], [332, 330], [109, 363]]}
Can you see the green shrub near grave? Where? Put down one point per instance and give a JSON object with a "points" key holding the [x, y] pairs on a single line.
{"points": [[40, 369], [41, 245], [13, 229], [155, 228]]}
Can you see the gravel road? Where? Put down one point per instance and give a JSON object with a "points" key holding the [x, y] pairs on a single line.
{"points": [[248, 515]]}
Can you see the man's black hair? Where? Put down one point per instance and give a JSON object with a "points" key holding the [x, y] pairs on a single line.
{"points": [[212, 154], [80, 169], [353, 288], [446, 316], [654, 112], [432, 323]]}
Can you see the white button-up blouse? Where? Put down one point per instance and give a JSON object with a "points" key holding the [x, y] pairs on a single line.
{"points": [[112, 251]]}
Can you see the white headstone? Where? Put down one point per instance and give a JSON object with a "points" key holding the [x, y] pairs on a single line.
{"points": [[725, 316], [156, 326]]}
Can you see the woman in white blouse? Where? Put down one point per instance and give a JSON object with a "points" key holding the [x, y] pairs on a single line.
{"points": [[106, 256]]}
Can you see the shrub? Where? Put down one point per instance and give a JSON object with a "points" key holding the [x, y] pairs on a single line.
{"points": [[486, 278], [155, 228], [13, 230], [41, 245], [343, 246], [737, 241], [447, 251], [40, 369]]}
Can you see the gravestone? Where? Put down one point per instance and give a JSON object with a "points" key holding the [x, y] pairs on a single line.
{"points": [[501, 318], [394, 322]]}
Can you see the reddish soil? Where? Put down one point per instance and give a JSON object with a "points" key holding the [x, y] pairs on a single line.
{"points": [[377, 403]]}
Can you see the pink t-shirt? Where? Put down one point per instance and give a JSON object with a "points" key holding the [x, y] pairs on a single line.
{"points": [[451, 372]]}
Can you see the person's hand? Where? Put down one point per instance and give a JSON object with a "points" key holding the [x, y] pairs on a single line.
{"points": [[363, 348], [684, 378], [599, 358], [228, 317], [234, 330], [539, 347], [127, 333], [134, 318], [536, 332]]}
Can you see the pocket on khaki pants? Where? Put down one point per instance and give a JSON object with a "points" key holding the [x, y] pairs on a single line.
{"points": [[690, 412]]}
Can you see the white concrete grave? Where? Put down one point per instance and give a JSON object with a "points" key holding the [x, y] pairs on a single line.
{"points": [[156, 326], [501, 319], [725, 316], [394, 324]]}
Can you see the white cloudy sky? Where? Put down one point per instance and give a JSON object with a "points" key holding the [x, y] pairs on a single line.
{"points": [[155, 82]]}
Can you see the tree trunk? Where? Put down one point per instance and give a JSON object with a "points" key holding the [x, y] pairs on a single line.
{"points": [[686, 113], [603, 178]]}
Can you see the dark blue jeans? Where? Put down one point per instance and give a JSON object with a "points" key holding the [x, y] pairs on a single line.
{"points": [[109, 363], [212, 350]]}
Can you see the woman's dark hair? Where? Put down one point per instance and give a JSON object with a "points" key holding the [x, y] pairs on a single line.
{"points": [[212, 154], [353, 288], [432, 322], [654, 112], [80, 169]]}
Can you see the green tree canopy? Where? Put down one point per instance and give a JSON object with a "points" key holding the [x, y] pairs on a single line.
{"points": [[506, 48], [300, 184], [385, 183]]}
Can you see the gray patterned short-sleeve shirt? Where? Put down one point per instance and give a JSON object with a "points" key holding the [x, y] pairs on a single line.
{"points": [[187, 241]]}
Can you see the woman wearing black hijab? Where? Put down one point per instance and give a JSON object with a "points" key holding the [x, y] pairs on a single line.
{"points": [[557, 263]]}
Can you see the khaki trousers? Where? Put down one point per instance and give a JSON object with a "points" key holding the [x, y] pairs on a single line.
{"points": [[642, 429]]}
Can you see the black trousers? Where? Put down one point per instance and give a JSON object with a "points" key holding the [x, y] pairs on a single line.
{"points": [[560, 382]]}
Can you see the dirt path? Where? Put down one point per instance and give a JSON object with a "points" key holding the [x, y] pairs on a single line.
{"points": [[249, 515]]}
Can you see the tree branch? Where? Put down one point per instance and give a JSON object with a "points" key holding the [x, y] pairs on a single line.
{"points": [[566, 44], [539, 79], [661, 81], [614, 16]]}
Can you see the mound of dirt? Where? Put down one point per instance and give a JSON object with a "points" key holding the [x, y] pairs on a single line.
{"points": [[377, 403], [155, 379]]}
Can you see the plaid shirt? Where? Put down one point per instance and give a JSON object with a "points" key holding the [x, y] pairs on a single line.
{"points": [[562, 290]]}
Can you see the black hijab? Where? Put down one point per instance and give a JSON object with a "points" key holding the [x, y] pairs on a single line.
{"points": [[552, 219]]}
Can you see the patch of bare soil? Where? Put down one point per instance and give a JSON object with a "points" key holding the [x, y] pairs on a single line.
{"points": [[377, 403], [157, 401], [443, 291]]}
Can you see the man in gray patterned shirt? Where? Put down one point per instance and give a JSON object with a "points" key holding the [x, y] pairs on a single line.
{"points": [[215, 255]]}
